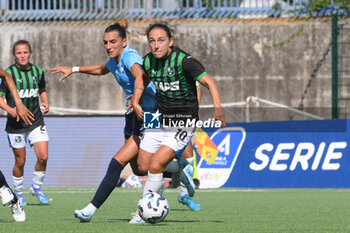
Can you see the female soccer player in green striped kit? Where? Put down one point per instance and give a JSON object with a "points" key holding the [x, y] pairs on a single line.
{"points": [[174, 73], [31, 86]]}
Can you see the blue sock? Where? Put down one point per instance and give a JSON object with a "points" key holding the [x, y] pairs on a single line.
{"points": [[108, 183]]}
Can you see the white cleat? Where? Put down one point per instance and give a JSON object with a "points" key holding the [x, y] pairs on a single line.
{"points": [[17, 212], [83, 215], [136, 219], [6, 195]]}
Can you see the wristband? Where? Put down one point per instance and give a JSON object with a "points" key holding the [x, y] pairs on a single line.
{"points": [[75, 69]]}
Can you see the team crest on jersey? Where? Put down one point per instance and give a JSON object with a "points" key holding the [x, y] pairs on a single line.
{"points": [[121, 68], [35, 80], [18, 139], [170, 71]]}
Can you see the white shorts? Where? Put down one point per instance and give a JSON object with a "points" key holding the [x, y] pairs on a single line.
{"points": [[38, 134], [175, 138]]}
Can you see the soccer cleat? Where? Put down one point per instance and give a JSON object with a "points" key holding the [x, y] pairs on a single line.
{"points": [[186, 178], [191, 204], [83, 215], [39, 194], [17, 212], [21, 200], [6, 195], [136, 219]]}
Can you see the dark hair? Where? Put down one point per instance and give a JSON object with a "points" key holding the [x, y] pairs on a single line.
{"points": [[160, 25], [120, 25], [20, 42]]}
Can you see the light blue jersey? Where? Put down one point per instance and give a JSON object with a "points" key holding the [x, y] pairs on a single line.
{"points": [[126, 80]]}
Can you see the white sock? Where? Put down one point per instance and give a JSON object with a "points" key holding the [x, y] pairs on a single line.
{"points": [[190, 160], [92, 209], [38, 179], [172, 167], [154, 183], [18, 184]]}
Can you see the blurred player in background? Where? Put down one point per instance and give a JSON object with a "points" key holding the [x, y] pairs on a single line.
{"points": [[195, 160], [169, 66], [31, 86], [190, 155], [6, 194]]}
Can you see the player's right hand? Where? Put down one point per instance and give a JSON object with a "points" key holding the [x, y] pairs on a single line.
{"points": [[24, 114], [66, 71], [138, 111]]}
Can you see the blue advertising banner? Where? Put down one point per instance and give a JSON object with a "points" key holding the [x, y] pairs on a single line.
{"points": [[80, 149], [289, 154]]}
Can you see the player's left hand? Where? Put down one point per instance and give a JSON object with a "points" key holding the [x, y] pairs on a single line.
{"points": [[44, 107]]}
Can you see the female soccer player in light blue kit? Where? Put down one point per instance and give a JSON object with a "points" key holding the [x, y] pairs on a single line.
{"points": [[125, 64]]}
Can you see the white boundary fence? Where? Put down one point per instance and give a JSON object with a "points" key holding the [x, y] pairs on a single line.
{"points": [[251, 101]]}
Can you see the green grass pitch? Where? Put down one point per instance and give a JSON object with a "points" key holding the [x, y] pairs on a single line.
{"points": [[223, 210]]}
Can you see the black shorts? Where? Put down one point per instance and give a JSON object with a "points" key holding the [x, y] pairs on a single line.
{"points": [[133, 126]]}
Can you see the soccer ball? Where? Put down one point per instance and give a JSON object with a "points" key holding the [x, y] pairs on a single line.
{"points": [[153, 207], [132, 182]]}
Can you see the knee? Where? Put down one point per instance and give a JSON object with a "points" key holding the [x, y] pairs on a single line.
{"points": [[142, 169], [43, 160], [156, 168], [20, 162]]}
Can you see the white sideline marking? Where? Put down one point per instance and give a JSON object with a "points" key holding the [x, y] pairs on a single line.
{"points": [[343, 190], [139, 190], [219, 190]]}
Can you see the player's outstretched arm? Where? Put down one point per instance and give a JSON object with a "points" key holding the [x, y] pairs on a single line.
{"points": [[218, 111], [67, 71], [21, 110], [141, 82]]}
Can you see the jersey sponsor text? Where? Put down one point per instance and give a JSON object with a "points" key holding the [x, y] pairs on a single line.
{"points": [[166, 86], [28, 93]]}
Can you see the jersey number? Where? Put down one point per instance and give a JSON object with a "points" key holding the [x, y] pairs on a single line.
{"points": [[180, 134]]}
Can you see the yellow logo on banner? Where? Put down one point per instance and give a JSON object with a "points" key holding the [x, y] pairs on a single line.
{"points": [[206, 148]]}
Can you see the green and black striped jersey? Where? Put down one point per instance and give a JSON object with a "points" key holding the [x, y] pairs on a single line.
{"points": [[175, 80], [28, 84]]}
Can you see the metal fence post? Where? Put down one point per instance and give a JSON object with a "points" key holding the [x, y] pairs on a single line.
{"points": [[335, 66]]}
